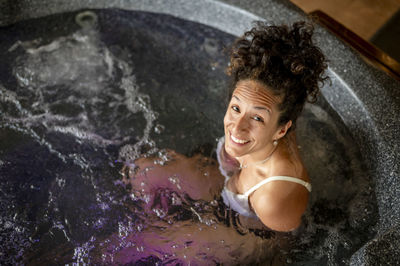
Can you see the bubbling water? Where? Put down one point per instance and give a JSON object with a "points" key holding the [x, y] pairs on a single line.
{"points": [[88, 69], [79, 115], [63, 88]]}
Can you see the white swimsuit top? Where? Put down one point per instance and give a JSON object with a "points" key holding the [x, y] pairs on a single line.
{"points": [[240, 202]]}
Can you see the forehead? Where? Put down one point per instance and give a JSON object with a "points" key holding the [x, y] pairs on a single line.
{"points": [[256, 93]]}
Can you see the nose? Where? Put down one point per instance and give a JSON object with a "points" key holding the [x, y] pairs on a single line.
{"points": [[240, 124]]}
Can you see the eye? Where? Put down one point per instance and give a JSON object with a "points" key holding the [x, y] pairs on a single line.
{"points": [[235, 108], [258, 119]]}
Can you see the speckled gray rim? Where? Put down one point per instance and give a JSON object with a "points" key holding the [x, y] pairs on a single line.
{"points": [[366, 99]]}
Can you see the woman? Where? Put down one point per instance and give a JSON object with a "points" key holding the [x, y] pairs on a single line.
{"points": [[274, 70]]}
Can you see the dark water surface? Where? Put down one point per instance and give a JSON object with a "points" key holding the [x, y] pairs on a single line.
{"points": [[80, 100]]}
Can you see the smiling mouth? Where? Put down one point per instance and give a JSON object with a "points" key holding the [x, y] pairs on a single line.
{"points": [[239, 141]]}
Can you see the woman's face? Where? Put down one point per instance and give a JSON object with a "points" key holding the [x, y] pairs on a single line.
{"points": [[251, 120]]}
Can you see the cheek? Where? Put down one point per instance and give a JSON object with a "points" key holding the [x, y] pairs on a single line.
{"points": [[261, 132], [257, 131], [227, 119]]}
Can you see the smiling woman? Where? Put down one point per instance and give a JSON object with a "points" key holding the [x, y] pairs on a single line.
{"points": [[274, 69], [264, 181], [254, 138]]}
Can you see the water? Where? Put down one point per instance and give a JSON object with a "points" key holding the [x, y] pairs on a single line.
{"points": [[85, 94]]}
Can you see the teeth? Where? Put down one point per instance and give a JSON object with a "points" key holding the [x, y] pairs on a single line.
{"points": [[238, 140]]}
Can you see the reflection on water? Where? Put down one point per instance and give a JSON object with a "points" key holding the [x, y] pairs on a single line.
{"points": [[78, 108]]}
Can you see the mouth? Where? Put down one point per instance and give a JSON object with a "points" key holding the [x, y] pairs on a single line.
{"points": [[238, 141]]}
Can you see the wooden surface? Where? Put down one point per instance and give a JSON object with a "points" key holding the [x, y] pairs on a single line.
{"points": [[363, 17]]}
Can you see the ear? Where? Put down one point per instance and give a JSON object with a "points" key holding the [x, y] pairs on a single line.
{"points": [[282, 130]]}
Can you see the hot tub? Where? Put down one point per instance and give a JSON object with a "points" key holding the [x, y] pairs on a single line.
{"points": [[86, 86]]}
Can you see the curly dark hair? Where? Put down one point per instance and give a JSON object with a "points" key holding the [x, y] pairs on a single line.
{"points": [[285, 60]]}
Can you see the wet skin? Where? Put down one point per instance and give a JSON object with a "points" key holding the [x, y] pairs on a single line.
{"points": [[199, 178], [251, 126]]}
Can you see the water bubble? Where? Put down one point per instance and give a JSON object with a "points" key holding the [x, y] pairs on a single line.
{"points": [[123, 229], [160, 213], [99, 223], [104, 206], [347, 245], [146, 198], [60, 182], [139, 227], [214, 203], [129, 244], [209, 222], [34, 187], [8, 224], [159, 129], [175, 180], [176, 200], [81, 253]]}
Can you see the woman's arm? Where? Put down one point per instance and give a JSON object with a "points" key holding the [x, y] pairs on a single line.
{"points": [[197, 176]]}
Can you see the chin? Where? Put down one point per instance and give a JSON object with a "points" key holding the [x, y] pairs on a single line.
{"points": [[233, 152]]}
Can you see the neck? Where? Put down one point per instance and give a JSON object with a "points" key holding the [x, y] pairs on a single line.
{"points": [[257, 157]]}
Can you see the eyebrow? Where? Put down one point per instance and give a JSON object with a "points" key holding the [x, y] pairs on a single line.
{"points": [[255, 107], [261, 108]]}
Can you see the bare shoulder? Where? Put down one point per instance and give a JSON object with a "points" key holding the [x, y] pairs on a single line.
{"points": [[280, 204]]}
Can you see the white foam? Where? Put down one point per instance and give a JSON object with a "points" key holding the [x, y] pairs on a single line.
{"points": [[83, 64]]}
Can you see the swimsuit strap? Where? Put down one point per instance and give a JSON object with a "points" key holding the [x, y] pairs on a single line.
{"points": [[279, 178]]}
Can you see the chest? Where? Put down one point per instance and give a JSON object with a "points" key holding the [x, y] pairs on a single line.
{"points": [[245, 179]]}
